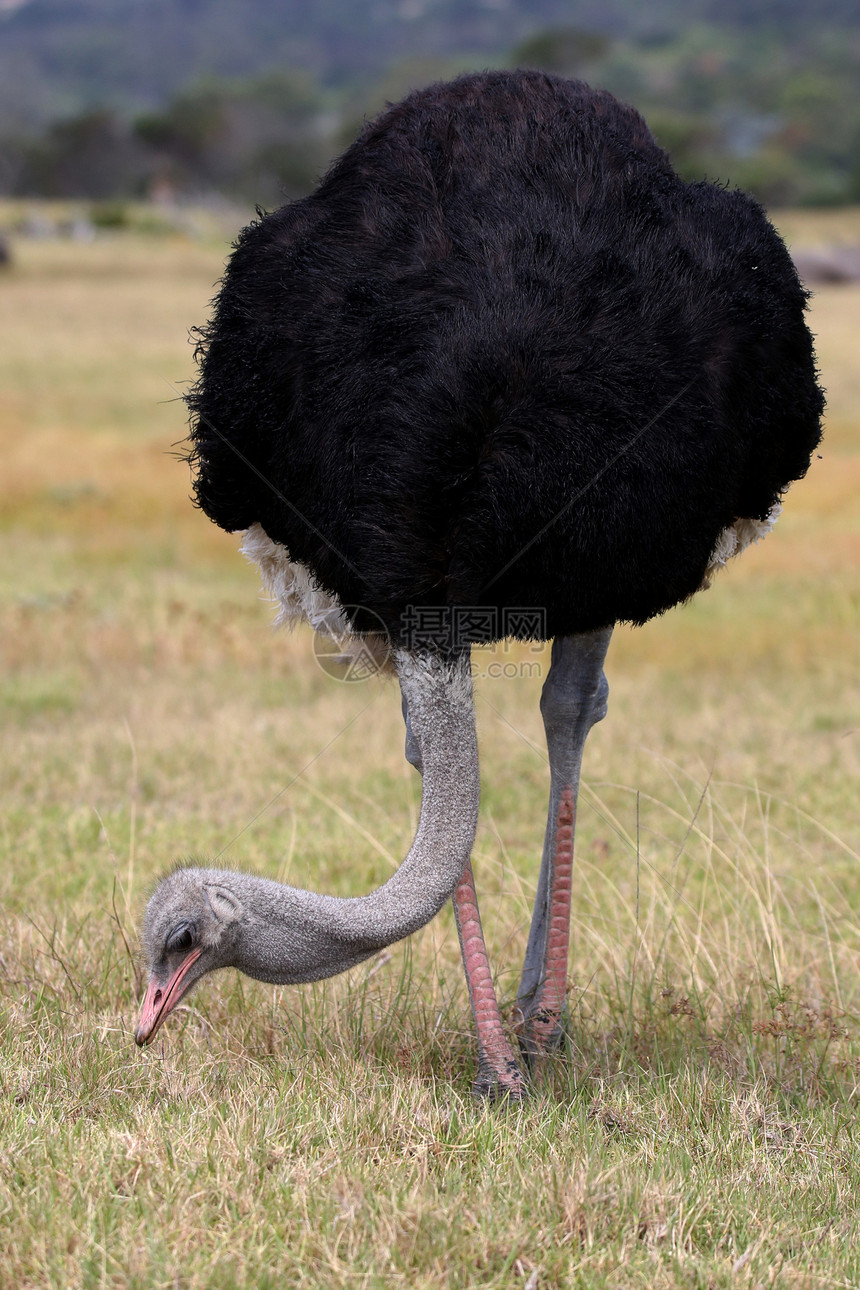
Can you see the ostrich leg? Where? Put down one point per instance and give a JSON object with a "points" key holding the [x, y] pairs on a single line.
{"points": [[499, 1075], [573, 699]]}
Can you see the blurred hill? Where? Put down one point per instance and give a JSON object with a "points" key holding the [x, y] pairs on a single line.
{"points": [[108, 98]]}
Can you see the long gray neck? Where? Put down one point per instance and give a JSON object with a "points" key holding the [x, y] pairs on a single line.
{"points": [[289, 935]]}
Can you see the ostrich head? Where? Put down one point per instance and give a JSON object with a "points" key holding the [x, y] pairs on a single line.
{"points": [[191, 927], [201, 919]]}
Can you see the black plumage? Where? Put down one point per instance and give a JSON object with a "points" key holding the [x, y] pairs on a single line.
{"points": [[504, 356]]}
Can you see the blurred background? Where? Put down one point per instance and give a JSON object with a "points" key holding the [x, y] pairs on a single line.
{"points": [[214, 99]]}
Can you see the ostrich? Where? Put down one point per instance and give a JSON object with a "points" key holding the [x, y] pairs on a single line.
{"points": [[502, 374]]}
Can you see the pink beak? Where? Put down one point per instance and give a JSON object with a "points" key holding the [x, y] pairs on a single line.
{"points": [[161, 1000]]}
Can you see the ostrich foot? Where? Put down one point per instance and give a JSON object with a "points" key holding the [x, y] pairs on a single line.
{"points": [[540, 1034], [500, 1082]]}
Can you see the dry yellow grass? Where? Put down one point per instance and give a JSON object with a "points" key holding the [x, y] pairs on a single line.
{"points": [[700, 1128]]}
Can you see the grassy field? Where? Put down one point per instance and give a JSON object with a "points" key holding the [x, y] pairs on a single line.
{"points": [[699, 1130]]}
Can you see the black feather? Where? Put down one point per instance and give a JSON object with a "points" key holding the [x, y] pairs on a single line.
{"points": [[504, 356]]}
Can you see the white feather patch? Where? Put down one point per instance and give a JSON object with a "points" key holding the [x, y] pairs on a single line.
{"points": [[736, 538], [292, 586]]}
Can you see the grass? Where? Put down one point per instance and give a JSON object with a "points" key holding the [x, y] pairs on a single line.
{"points": [[699, 1130]]}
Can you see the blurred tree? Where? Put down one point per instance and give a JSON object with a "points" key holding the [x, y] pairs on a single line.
{"points": [[565, 50], [93, 155], [262, 139], [190, 138], [689, 140]]}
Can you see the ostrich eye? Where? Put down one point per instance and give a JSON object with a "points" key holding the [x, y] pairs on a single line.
{"points": [[181, 938]]}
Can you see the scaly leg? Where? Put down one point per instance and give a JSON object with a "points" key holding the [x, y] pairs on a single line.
{"points": [[573, 699], [499, 1075]]}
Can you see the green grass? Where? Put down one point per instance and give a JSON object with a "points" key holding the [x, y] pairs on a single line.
{"points": [[699, 1129]]}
